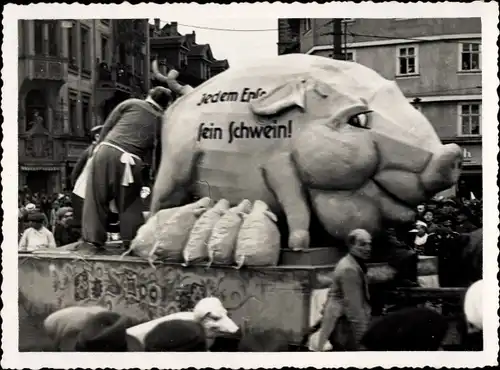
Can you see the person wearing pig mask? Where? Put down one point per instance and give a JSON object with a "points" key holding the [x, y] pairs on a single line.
{"points": [[129, 136]]}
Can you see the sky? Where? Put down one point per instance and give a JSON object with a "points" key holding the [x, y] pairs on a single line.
{"points": [[239, 48]]}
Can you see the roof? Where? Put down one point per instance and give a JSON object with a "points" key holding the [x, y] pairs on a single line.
{"points": [[202, 51], [220, 63]]}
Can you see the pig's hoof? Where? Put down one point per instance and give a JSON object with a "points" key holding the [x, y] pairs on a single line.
{"points": [[298, 240]]}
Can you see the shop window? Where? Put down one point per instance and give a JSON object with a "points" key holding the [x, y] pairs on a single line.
{"points": [[470, 56], [39, 37], [407, 61], [469, 120]]}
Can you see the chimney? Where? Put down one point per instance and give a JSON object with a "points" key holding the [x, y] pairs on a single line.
{"points": [[173, 28], [157, 24]]}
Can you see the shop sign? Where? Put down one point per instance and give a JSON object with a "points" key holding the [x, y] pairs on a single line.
{"points": [[471, 155]]}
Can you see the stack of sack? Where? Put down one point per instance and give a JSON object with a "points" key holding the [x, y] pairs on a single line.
{"points": [[199, 232]]}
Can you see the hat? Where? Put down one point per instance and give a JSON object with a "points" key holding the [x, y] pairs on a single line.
{"points": [[176, 336], [96, 129], [473, 304], [103, 332], [30, 207], [36, 217], [410, 329]]}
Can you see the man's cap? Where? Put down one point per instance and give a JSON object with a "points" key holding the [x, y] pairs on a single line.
{"points": [[104, 332], [176, 336], [473, 304], [36, 217]]}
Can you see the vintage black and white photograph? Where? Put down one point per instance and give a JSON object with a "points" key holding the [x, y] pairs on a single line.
{"points": [[198, 178]]}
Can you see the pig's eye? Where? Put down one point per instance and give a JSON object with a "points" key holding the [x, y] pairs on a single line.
{"points": [[360, 120]]}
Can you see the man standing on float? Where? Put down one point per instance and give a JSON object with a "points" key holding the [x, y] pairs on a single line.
{"points": [[129, 135]]}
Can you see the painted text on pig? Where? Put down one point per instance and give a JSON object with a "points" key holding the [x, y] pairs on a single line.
{"points": [[241, 130], [244, 96]]}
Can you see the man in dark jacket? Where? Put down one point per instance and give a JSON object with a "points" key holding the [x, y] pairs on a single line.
{"points": [[129, 135], [347, 311]]}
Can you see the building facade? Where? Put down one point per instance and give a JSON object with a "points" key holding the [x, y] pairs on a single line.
{"points": [[195, 62], [436, 63], [60, 93]]}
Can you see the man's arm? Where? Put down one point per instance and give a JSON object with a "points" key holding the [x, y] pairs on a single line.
{"points": [[23, 243], [113, 118], [52, 242], [80, 164], [353, 290]]}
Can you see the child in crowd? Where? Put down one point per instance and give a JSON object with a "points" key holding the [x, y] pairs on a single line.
{"points": [[36, 236]]}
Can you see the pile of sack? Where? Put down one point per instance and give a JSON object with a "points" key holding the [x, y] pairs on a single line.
{"points": [[244, 235]]}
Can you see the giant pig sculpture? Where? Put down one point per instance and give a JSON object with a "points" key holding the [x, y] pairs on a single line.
{"points": [[307, 135]]}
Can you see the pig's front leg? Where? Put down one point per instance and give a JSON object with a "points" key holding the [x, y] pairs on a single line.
{"points": [[282, 179]]}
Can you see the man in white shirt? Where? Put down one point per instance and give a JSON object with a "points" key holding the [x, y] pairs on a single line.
{"points": [[36, 236]]}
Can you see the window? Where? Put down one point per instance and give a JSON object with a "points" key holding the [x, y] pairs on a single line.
{"points": [[86, 117], [407, 61], [53, 41], [350, 56], [38, 37], [104, 49], [470, 56], [85, 48], [469, 119], [307, 24], [72, 47], [73, 116]]}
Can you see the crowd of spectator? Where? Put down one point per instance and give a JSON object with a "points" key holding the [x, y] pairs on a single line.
{"points": [[45, 220]]}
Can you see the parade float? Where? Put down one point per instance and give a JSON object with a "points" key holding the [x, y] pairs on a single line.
{"points": [[325, 146]]}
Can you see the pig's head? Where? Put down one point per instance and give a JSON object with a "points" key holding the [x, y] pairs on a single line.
{"points": [[361, 149]]}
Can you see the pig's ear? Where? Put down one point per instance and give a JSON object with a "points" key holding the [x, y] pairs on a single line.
{"points": [[288, 95], [322, 89]]}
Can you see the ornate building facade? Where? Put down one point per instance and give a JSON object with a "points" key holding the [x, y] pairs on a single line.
{"points": [[63, 91]]}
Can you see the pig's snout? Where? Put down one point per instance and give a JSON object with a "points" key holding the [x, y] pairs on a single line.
{"points": [[443, 170]]}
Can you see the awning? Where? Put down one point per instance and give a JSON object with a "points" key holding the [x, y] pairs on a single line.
{"points": [[39, 168]]}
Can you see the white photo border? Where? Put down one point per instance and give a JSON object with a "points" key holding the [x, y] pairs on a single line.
{"points": [[13, 359]]}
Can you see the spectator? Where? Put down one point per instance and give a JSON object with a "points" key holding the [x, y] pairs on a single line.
{"points": [[53, 214], [176, 336], [473, 310], [429, 220], [411, 329], [463, 225], [421, 211], [64, 232], [270, 340], [31, 209], [347, 311], [420, 241], [36, 236]]}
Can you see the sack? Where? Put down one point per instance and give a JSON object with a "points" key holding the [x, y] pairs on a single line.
{"points": [[143, 243], [259, 240], [224, 234], [196, 247], [171, 236]]}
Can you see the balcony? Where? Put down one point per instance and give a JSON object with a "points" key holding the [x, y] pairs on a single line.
{"points": [[43, 68], [116, 75]]}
